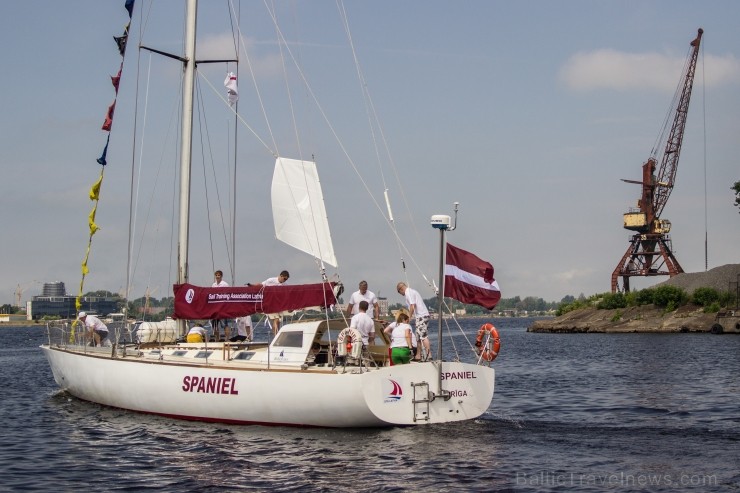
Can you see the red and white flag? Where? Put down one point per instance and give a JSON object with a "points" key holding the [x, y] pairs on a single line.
{"points": [[469, 279], [232, 93]]}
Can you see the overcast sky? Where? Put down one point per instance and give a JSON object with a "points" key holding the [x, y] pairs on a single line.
{"points": [[527, 113]]}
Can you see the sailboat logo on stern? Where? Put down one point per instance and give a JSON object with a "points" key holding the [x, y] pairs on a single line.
{"points": [[393, 391]]}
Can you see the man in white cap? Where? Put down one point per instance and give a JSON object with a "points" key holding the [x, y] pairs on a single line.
{"points": [[419, 312], [96, 328]]}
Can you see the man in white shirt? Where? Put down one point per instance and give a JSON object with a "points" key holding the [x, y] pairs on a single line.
{"points": [[358, 296], [219, 322], [364, 324], [96, 328], [274, 281], [243, 329], [419, 313], [219, 280]]}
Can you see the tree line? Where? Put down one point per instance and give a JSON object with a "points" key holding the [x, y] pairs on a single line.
{"points": [[667, 297]]}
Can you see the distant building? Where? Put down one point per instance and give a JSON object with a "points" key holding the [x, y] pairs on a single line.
{"points": [[10, 318], [153, 310], [54, 301], [383, 306]]}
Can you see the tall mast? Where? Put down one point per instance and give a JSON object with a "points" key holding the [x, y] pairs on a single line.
{"points": [[187, 140], [187, 143]]}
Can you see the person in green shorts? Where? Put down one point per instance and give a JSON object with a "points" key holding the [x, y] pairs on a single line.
{"points": [[400, 339]]}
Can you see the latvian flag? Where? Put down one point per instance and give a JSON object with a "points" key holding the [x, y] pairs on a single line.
{"points": [[469, 279]]}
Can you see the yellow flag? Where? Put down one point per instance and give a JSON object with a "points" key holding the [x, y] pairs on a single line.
{"points": [[91, 221], [85, 272], [95, 190]]}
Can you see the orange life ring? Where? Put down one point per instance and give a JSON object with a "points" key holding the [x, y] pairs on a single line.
{"points": [[488, 342]]}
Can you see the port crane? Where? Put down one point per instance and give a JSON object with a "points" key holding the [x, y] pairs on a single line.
{"points": [[650, 252], [19, 292]]}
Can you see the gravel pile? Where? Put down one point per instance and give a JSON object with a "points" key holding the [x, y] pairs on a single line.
{"points": [[718, 278]]}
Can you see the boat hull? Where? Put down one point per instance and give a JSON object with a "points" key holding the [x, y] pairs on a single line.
{"points": [[322, 397]]}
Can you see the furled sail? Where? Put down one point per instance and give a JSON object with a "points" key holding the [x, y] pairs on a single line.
{"points": [[298, 209]]}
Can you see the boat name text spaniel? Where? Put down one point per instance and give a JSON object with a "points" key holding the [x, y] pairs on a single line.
{"points": [[209, 385]]}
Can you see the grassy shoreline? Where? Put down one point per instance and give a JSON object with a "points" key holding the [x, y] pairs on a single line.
{"points": [[22, 323]]}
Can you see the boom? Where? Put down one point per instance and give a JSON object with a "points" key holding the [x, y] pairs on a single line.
{"points": [[669, 163]]}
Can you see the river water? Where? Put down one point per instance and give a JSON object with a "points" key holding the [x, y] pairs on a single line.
{"points": [[571, 412]]}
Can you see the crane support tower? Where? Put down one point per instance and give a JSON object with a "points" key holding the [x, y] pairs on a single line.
{"points": [[650, 250]]}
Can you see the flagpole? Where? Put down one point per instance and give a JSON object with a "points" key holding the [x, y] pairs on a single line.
{"points": [[441, 293]]}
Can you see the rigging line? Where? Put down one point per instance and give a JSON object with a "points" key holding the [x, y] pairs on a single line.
{"points": [[372, 114], [174, 220], [203, 127], [298, 145], [459, 328], [232, 15], [215, 181], [144, 20], [373, 120], [259, 96], [451, 338], [133, 203], [232, 202], [674, 104], [287, 90], [326, 119], [134, 194], [218, 94], [205, 188], [363, 88], [334, 133], [284, 42], [346, 153], [201, 76], [704, 118], [232, 198], [157, 174], [172, 267], [318, 260]]}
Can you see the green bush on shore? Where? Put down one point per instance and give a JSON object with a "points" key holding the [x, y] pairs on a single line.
{"points": [[667, 297]]}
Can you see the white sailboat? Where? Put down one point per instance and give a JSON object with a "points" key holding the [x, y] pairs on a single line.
{"points": [[312, 373]]}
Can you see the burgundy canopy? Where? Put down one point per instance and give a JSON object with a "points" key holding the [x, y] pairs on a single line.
{"points": [[198, 302]]}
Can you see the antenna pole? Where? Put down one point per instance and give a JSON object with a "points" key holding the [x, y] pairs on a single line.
{"points": [[441, 291], [442, 223]]}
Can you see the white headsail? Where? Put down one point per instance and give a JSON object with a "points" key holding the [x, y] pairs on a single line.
{"points": [[298, 209]]}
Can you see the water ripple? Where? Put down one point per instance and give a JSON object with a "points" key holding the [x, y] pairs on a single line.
{"points": [[569, 411]]}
